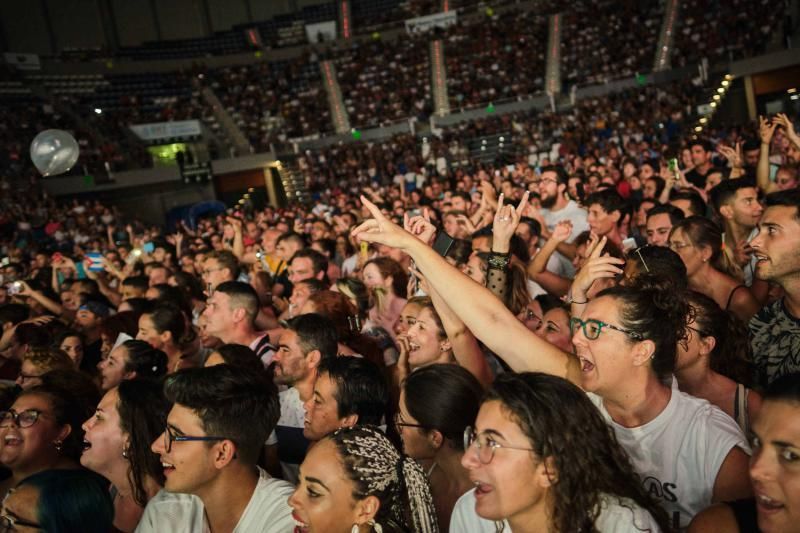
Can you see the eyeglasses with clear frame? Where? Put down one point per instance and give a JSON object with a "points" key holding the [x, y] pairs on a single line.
{"points": [[170, 437], [24, 419], [592, 328], [486, 445]]}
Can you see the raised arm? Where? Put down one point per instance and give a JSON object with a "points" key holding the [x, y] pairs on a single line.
{"points": [[465, 346], [766, 130], [537, 268], [486, 316]]}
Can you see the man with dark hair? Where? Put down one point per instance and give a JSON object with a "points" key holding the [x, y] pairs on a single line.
{"points": [[307, 340], [348, 391], [215, 431], [158, 274], [461, 201], [660, 220], [736, 204], [775, 329], [218, 267], [134, 287], [307, 263], [556, 204], [231, 317], [553, 188], [607, 210], [702, 154], [690, 202]]}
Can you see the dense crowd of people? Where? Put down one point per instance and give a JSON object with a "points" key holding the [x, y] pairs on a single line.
{"points": [[423, 353], [385, 80], [597, 328]]}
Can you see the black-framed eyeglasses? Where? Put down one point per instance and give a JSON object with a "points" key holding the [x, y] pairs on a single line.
{"points": [[592, 328], [24, 419], [486, 445], [23, 377], [9, 524], [399, 423], [170, 437]]}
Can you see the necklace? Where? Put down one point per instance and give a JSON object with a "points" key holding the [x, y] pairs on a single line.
{"points": [[430, 470]]}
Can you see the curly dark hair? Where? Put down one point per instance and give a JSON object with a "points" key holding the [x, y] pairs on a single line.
{"points": [[143, 410], [558, 419], [656, 309]]}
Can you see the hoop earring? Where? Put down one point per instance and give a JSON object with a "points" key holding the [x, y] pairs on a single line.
{"points": [[355, 529], [375, 526]]}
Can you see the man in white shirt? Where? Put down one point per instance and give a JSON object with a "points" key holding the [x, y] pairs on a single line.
{"points": [[209, 449], [557, 206]]}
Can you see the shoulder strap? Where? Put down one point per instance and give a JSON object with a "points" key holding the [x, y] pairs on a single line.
{"points": [[740, 408], [730, 296]]}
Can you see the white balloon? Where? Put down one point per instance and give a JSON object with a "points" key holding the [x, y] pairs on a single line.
{"points": [[54, 152]]}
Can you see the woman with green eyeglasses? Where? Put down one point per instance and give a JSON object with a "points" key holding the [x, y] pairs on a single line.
{"points": [[531, 472], [687, 452]]}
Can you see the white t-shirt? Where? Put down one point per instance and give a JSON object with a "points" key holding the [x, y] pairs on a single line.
{"points": [[267, 512], [616, 516], [678, 454], [578, 216], [288, 434]]}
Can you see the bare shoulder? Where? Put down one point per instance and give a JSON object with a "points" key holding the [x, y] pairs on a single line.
{"points": [[718, 517]]}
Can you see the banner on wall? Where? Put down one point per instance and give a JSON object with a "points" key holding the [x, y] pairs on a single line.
{"points": [[437, 20], [321, 31], [23, 61], [161, 131]]}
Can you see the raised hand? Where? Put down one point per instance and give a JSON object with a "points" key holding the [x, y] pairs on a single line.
{"points": [[562, 231], [381, 230], [733, 155], [506, 220], [766, 129], [596, 267], [420, 226]]}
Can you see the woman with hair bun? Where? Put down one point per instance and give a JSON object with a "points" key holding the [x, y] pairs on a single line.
{"points": [[131, 359], [710, 270], [165, 328], [355, 481], [685, 450], [714, 361]]}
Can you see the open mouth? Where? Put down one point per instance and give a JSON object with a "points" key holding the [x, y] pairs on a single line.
{"points": [[168, 468], [767, 504], [413, 347], [12, 440], [482, 489], [300, 526], [86, 445], [586, 365]]}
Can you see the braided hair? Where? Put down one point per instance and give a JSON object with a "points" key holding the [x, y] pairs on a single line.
{"points": [[377, 469]]}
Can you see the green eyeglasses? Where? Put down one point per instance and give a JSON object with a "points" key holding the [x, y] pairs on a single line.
{"points": [[592, 328]]}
